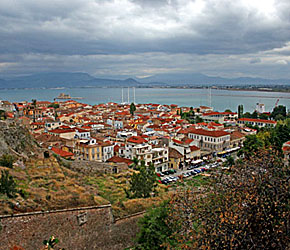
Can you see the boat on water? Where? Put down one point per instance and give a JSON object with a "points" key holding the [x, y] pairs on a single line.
{"points": [[67, 97]]}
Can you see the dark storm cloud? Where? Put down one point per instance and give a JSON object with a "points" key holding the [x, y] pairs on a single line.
{"points": [[46, 33]]}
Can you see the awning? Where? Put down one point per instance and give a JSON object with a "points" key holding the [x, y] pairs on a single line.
{"points": [[196, 161]]}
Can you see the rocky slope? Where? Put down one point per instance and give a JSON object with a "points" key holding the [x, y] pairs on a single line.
{"points": [[15, 139]]}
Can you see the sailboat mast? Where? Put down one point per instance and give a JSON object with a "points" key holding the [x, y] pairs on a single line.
{"points": [[122, 95], [128, 96]]}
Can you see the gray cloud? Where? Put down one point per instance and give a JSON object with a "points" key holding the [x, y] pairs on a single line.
{"points": [[143, 36]]}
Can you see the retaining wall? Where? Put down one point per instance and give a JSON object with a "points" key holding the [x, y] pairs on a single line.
{"points": [[77, 229]]}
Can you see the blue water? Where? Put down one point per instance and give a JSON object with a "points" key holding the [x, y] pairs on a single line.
{"points": [[220, 99]]}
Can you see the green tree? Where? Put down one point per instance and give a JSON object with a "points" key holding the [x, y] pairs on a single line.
{"points": [[54, 105], [198, 119], [143, 183], [132, 108], [154, 229], [251, 145], [228, 110], [7, 184], [247, 115], [240, 111], [280, 110], [229, 162], [7, 160], [255, 115], [135, 163], [263, 116], [247, 208], [279, 117], [279, 135], [3, 115]]}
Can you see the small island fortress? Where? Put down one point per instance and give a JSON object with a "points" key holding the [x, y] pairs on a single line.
{"points": [[67, 96]]}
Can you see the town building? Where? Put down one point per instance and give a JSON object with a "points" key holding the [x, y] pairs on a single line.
{"points": [[213, 141], [256, 122]]}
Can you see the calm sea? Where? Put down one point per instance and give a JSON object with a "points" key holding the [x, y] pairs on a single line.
{"points": [[220, 99]]}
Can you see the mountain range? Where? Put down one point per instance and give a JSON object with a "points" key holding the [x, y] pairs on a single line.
{"points": [[67, 79]]}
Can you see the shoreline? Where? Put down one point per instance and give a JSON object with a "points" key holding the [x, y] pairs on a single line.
{"points": [[158, 87]]}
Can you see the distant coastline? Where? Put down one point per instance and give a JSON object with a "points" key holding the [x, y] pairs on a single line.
{"points": [[276, 89]]}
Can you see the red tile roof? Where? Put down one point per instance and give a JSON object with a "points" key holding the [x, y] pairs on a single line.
{"points": [[257, 120], [117, 159], [61, 152], [136, 139], [194, 148], [208, 132], [61, 131]]}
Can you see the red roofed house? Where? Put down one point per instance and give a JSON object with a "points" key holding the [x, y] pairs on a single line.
{"points": [[138, 147], [213, 117], [256, 122], [62, 153], [187, 148], [175, 158], [63, 133], [117, 159], [213, 141]]}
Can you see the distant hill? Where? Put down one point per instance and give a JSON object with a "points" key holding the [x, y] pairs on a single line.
{"points": [[201, 79], [67, 79]]}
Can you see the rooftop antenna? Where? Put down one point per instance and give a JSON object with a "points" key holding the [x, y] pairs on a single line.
{"points": [[128, 96]]}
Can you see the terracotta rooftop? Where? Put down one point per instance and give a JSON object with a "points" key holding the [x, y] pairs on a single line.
{"points": [[217, 133], [257, 120], [136, 139], [61, 152], [117, 159]]}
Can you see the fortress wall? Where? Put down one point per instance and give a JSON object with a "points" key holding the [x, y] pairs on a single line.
{"points": [[79, 229]]}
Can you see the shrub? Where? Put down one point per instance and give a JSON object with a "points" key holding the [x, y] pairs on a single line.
{"points": [[7, 160], [7, 184]]}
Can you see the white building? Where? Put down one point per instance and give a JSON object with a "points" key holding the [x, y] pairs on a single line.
{"points": [[260, 108], [256, 122], [214, 141]]}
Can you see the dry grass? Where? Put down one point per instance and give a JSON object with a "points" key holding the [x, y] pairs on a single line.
{"points": [[47, 185]]}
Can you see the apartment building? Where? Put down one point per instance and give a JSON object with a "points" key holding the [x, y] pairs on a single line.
{"points": [[213, 141]]}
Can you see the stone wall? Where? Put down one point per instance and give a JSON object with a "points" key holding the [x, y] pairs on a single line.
{"points": [[91, 167], [77, 229]]}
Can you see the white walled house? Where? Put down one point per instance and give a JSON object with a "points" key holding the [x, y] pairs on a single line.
{"points": [[256, 122], [213, 141], [107, 150], [160, 159], [82, 134]]}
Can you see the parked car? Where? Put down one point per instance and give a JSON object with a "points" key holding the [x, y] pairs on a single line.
{"points": [[172, 171], [193, 172]]}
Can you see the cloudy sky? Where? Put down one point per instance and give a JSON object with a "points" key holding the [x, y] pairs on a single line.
{"points": [[228, 38]]}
